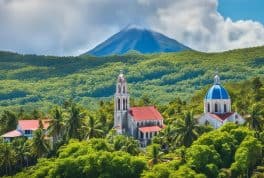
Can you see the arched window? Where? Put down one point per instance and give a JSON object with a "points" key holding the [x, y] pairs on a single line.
{"points": [[224, 107], [118, 104], [124, 104], [124, 89], [216, 109], [119, 89], [208, 107]]}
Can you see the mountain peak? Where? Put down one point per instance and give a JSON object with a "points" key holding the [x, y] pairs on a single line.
{"points": [[134, 27], [137, 38]]}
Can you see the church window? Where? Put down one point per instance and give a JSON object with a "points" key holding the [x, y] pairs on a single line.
{"points": [[208, 107], [224, 107], [118, 104], [147, 134], [124, 104], [141, 135], [124, 89], [216, 107], [119, 89]]}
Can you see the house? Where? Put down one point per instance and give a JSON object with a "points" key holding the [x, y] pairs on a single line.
{"points": [[217, 107], [142, 123], [26, 128]]}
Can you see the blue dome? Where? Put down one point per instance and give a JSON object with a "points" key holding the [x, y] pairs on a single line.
{"points": [[217, 92]]}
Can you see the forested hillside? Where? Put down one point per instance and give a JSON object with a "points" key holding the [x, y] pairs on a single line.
{"points": [[40, 81], [87, 146]]}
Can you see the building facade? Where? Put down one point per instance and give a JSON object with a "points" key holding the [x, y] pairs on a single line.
{"points": [[26, 128], [217, 107], [142, 123]]}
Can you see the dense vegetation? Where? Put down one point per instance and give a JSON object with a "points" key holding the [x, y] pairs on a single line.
{"points": [[41, 81], [86, 146]]}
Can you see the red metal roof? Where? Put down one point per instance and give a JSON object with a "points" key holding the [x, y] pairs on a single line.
{"points": [[222, 116], [13, 133], [145, 113], [150, 129], [32, 124]]}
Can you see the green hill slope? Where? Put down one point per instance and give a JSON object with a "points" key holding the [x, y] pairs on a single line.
{"points": [[40, 81]]}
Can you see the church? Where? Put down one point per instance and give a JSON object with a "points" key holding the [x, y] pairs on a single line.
{"points": [[142, 123], [217, 107]]}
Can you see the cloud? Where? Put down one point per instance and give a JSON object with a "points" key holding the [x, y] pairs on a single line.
{"points": [[66, 27], [198, 25]]}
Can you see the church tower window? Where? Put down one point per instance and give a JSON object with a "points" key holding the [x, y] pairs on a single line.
{"points": [[208, 107], [124, 104], [224, 107], [124, 89], [118, 104], [119, 89]]}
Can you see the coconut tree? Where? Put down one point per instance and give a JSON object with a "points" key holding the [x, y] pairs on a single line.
{"points": [[186, 130], [94, 128], [166, 137], [155, 154], [8, 121], [7, 157], [57, 124], [22, 150], [74, 122], [40, 146], [255, 119]]}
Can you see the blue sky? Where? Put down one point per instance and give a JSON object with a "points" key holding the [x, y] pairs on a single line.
{"points": [[242, 9]]}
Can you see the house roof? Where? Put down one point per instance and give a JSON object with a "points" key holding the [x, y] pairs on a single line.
{"points": [[32, 124], [145, 113], [150, 129], [13, 133], [222, 116]]}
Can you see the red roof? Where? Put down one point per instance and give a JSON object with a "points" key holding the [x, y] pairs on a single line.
{"points": [[32, 124], [145, 113], [150, 129], [222, 116], [13, 133]]}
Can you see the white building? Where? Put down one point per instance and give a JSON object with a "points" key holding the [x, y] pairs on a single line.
{"points": [[140, 122], [217, 107]]}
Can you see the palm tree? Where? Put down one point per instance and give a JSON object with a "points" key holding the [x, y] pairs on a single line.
{"points": [[39, 145], [75, 122], [166, 137], [8, 121], [56, 124], [255, 118], [186, 130], [155, 154], [94, 128], [22, 150], [7, 157]]}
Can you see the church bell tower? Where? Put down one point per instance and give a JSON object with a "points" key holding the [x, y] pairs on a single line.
{"points": [[121, 102]]}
